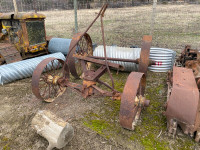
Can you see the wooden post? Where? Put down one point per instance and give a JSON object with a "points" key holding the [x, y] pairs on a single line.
{"points": [[153, 17], [75, 16], [15, 6]]}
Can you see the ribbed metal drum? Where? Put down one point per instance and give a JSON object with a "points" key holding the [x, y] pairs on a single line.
{"points": [[59, 45], [164, 57], [23, 69]]}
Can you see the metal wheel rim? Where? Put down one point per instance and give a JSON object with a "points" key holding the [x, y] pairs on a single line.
{"points": [[38, 78], [134, 86], [75, 65]]}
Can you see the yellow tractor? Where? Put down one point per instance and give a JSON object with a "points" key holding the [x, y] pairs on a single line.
{"points": [[22, 36]]}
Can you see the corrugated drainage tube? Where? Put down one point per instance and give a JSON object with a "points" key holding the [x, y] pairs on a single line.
{"points": [[23, 69], [163, 57]]}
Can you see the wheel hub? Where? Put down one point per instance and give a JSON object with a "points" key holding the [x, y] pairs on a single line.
{"points": [[53, 79]]}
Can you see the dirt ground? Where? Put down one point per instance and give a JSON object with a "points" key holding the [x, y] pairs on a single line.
{"points": [[95, 119], [18, 106]]}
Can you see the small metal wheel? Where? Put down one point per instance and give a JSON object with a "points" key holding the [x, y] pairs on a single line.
{"points": [[132, 100], [45, 79], [83, 48]]}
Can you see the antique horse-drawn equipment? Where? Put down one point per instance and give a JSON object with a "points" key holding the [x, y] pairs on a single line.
{"points": [[47, 85]]}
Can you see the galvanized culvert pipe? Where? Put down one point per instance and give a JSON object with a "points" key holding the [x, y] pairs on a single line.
{"points": [[59, 45], [164, 57], [23, 69]]}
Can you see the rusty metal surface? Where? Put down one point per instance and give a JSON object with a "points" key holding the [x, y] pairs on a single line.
{"points": [[94, 75], [195, 66], [184, 96], [116, 59], [2, 60], [190, 58], [144, 55], [101, 62], [19, 38], [5, 15], [21, 15], [123, 60], [183, 102], [9, 53], [132, 99], [182, 107], [74, 43], [186, 55], [38, 76], [30, 15], [104, 46], [70, 61], [128, 107]]}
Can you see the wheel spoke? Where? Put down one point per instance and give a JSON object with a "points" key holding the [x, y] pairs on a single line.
{"points": [[49, 91], [53, 67], [55, 91], [45, 90]]}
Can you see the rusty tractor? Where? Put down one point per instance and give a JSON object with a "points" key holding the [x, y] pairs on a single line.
{"points": [[183, 95], [48, 85], [22, 36]]}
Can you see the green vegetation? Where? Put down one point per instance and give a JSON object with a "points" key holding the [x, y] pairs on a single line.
{"points": [[150, 133], [5, 143]]}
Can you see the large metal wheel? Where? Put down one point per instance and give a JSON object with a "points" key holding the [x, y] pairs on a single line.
{"points": [[83, 48], [45, 79], [132, 100]]}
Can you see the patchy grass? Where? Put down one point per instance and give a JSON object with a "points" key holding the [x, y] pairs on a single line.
{"points": [[175, 25], [151, 132], [5, 143]]}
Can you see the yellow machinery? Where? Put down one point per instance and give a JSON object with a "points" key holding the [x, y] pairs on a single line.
{"points": [[22, 35]]}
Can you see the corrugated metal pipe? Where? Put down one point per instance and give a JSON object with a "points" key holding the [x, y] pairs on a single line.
{"points": [[120, 52], [59, 45], [164, 58], [23, 69]]}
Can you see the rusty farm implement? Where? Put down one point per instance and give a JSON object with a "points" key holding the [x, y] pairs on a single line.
{"points": [[182, 108], [47, 85]]}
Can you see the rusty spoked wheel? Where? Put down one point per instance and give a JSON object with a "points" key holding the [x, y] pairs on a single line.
{"points": [[132, 100], [45, 79], [83, 48]]}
